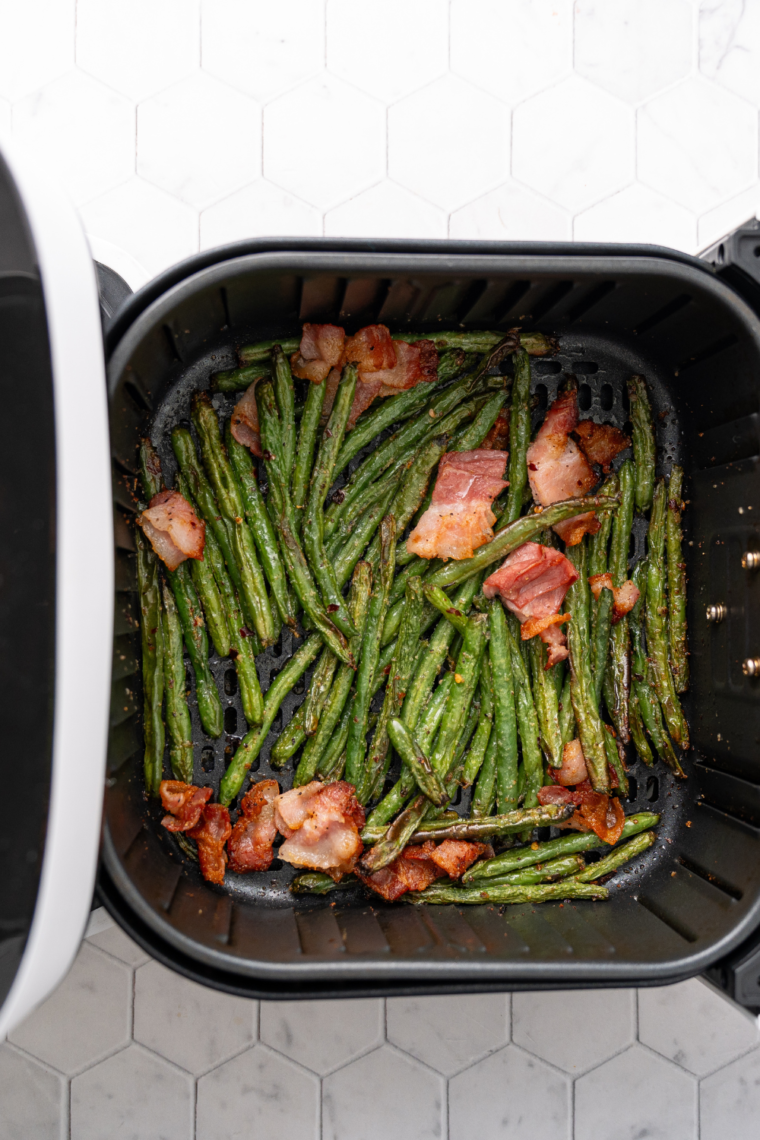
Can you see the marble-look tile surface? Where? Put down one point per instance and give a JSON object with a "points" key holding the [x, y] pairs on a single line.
{"points": [[32, 1099], [449, 1033], [546, 1024], [323, 1035], [155, 227], [131, 1096], [255, 211], [729, 35], [636, 1094], [729, 1101], [37, 45], [510, 1094], [383, 1094], [258, 1093]]}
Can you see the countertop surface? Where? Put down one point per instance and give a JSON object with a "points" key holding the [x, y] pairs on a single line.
{"points": [[175, 125]]}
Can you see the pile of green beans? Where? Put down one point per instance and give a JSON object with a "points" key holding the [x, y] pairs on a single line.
{"points": [[466, 704]]}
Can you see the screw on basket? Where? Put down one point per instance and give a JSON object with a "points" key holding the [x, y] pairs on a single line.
{"points": [[751, 667], [751, 560], [716, 613]]}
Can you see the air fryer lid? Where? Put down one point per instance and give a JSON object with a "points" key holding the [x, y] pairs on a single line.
{"points": [[55, 586]]}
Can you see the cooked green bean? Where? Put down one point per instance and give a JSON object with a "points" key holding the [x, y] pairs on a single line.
{"points": [[484, 796], [643, 441], [238, 379], [581, 681], [614, 759], [318, 883], [527, 721], [262, 350], [319, 690], [505, 714], [412, 755], [194, 633], [541, 872], [519, 437], [567, 713], [537, 344], [655, 609], [479, 744], [507, 895], [546, 702], [283, 390], [307, 443], [152, 638], [411, 489], [636, 846], [679, 654], [177, 713], [471, 437]]}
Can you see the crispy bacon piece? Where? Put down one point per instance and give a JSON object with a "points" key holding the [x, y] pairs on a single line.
{"points": [[533, 582], [185, 802], [534, 626], [250, 844], [625, 597], [459, 518], [211, 834], [594, 811], [321, 824], [244, 423], [573, 770], [371, 348], [498, 437], [173, 529], [601, 442], [420, 865], [414, 363], [558, 469], [321, 349]]}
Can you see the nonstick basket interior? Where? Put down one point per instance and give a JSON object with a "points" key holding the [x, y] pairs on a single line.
{"points": [[696, 892]]}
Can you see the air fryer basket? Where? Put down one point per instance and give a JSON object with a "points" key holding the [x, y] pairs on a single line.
{"points": [[696, 894]]}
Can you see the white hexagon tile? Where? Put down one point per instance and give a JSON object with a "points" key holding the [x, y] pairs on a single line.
{"points": [[178, 125]]}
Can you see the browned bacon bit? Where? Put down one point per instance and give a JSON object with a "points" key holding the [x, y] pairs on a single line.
{"points": [[625, 597], [595, 812], [532, 583], [185, 802], [498, 437], [601, 442], [420, 865], [459, 518], [371, 348], [454, 856], [211, 834], [320, 350], [250, 844], [414, 363], [558, 469], [321, 824], [173, 529], [244, 423]]}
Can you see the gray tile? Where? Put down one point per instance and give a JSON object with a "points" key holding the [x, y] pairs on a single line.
{"points": [[636, 1095], [695, 1026], [558, 1026], [510, 1094], [346, 1029], [189, 1024], [729, 1101], [116, 942], [383, 1095], [32, 1099], [132, 1096], [258, 1094], [86, 1018], [449, 1033]]}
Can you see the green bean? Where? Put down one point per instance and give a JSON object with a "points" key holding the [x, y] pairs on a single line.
{"points": [[614, 759], [513, 535], [368, 498], [537, 344], [599, 542], [262, 350], [519, 436], [638, 735], [541, 872], [150, 469], [505, 714], [177, 713], [581, 681], [655, 609], [643, 441], [484, 796], [466, 678], [359, 601], [252, 742], [307, 443], [442, 602], [322, 477], [241, 648], [293, 556], [569, 844], [207, 591], [546, 702], [398, 679], [283, 390], [471, 437], [527, 722], [319, 690], [153, 665], [508, 895], [356, 746], [601, 641], [567, 713], [412, 489], [616, 858], [238, 379], [455, 828], [261, 527], [412, 755], [334, 755], [194, 633], [479, 745], [227, 490], [679, 654], [318, 883], [289, 740]]}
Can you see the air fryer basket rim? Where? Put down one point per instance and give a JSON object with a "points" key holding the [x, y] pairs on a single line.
{"points": [[470, 259]]}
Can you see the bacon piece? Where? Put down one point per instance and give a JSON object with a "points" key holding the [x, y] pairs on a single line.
{"points": [[558, 469], [420, 865], [601, 442], [371, 348], [625, 597], [595, 811], [498, 437], [250, 845], [459, 518], [321, 349], [173, 529], [244, 423], [185, 802], [534, 626], [533, 582], [211, 834], [414, 363], [454, 856], [321, 824], [573, 770]]}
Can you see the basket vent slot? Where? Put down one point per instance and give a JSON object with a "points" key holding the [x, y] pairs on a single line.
{"points": [[710, 877], [551, 299], [708, 353], [663, 314], [658, 910], [738, 439], [597, 294], [208, 763]]}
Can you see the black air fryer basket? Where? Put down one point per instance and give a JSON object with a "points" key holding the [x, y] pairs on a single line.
{"points": [[692, 902]]}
